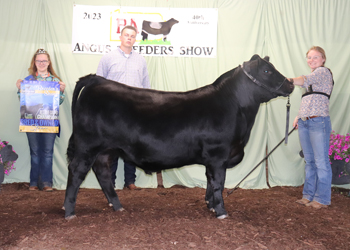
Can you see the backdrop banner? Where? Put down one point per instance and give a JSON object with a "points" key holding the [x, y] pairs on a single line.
{"points": [[39, 107], [284, 30], [181, 32]]}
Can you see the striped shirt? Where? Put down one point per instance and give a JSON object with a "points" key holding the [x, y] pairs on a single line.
{"points": [[128, 69], [316, 104]]}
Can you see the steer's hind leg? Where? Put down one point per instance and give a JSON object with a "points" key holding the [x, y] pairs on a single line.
{"points": [[103, 175], [216, 179], [77, 171], [209, 196]]}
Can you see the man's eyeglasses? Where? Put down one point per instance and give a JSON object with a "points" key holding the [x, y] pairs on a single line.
{"points": [[43, 62]]}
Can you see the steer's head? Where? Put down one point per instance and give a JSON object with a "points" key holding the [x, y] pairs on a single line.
{"points": [[265, 75]]}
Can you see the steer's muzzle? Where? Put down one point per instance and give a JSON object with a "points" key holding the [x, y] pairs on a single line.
{"points": [[287, 87]]}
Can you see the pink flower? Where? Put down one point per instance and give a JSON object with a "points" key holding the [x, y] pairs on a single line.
{"points": [[339, 146]]}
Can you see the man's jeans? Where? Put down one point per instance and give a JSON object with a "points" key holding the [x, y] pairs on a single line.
{"points": [[314, 139], [41, 153], [129, 172]]}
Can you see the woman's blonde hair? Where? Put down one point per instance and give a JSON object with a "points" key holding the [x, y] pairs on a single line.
{"points": [[33, 69], [318, 49]]}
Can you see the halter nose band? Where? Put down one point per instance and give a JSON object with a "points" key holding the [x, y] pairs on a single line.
{"points": [[256, 81]]}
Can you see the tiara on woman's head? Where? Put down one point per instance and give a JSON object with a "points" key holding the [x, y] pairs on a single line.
{"points": [[41, 51]]}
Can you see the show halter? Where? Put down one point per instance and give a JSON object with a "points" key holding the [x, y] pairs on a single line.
{"points": [[287, 126], [257, 82]]}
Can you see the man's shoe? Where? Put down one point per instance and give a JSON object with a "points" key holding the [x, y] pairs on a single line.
{"points": [[33, 188], [47, 189], [316, 205], [132, 187], [303, 201]]}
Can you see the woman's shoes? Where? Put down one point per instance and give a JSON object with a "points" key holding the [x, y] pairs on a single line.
{"points": [[316, 205], [33, 188], [303, 201], [313, 204]]}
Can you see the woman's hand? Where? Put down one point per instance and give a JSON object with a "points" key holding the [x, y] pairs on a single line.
{"points": [[295, 123], [299, 81], [18, 83], [62, 86]]}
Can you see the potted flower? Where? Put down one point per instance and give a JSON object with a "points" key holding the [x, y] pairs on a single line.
{"points": [[339, 156], [8, 158]]}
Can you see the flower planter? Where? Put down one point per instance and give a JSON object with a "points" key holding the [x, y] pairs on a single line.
{"points": [[340, 172], [2, 174], [7, 158]]}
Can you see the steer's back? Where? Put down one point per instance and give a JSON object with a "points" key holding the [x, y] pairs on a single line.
{"points": [[155, 129]]}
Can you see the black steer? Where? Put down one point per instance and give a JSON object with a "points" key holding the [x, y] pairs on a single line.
{"points": [[157, 28], [158, 130]]}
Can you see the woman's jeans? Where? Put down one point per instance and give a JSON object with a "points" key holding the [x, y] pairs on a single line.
{"points": [[314, 139], [41, 153]]}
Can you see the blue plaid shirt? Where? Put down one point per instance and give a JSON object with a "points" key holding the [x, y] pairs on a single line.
{"points": [[130, 70]]}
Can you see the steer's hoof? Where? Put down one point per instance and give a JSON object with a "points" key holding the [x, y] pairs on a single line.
{"points": [[118, 209], [110, 204], [212, 210], [63, 208], [71, 217], [221, 217]]}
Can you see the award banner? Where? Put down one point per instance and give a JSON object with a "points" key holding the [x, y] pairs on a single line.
{"points": [[39, 107], [181, 32]]}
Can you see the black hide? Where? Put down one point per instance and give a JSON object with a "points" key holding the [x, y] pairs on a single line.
{"points": [[157, 130]]}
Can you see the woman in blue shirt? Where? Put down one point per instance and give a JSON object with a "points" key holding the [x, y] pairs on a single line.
{"points": [[41, 144]]}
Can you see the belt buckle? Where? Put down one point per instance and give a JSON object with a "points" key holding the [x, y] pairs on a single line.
{"points": [[304, 118]]}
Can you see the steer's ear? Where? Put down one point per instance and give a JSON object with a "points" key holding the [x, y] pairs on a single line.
{"points": [[255, 57], [267, 58]]}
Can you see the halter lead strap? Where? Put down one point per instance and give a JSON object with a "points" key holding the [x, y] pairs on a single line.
{"points": [[287, 121]]}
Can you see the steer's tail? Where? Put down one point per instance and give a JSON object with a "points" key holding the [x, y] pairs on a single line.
{"points": [[83, 82]]}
